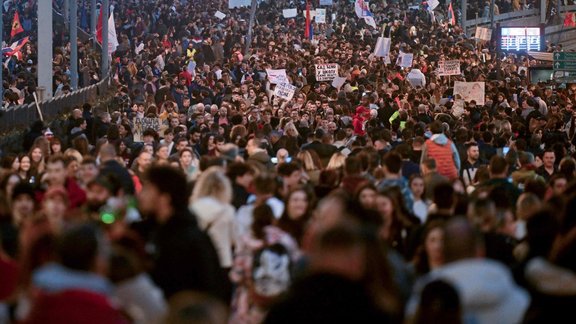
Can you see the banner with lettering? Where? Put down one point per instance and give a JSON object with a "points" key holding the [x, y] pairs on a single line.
{"points": [[285, 91], [326, 72]]}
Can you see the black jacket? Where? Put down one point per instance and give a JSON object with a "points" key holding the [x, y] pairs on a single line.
{"points": [[185, 258]]}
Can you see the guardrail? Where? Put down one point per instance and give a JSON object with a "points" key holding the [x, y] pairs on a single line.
{"points": [[503, 17], [19, 117]]}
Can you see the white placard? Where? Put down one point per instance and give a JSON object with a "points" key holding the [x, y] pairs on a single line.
{"points": [[290, 13], [320, 17], [284, 91], [277, 76], [312, 13], [405, 59], [338, 82], [326, 72], [446, 68], [325, 2], [483, 33], [220, 15], [470, 91], [382, 48], [238, 3], [432, 4]]}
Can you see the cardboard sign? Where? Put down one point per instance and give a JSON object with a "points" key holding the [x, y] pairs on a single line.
{"points": [[277, 76], [290, 13], [142, 124], [470, 91], [220, 15], [326, 72], [432, 4], [446, 68], [284, 91], [338, 82], [320, 17], [405, 59], [382, 48], [483, 33]]}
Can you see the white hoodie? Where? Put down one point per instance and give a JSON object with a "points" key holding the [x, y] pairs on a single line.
{"points": [[218, 218], [487, 291]]}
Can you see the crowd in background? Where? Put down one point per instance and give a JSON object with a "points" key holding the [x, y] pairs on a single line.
{"points": [[375, 201]]}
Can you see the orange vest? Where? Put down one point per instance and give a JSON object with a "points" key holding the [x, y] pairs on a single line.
{"points": [[444, 159]]}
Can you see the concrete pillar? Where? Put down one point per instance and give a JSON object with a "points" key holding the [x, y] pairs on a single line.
{"points": [[74, 44], [93, 20], [105, 60], [45, 55]]}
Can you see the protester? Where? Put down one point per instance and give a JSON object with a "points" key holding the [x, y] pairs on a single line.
{"points": [[203, 170]]}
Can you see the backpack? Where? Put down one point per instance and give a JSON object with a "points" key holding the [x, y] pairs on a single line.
{"points": [[271, 273]]}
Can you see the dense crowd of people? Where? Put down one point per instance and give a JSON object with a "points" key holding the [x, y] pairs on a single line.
{"points": [[198, 195]]}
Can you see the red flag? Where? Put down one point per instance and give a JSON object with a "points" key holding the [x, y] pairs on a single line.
{"points": [[451, 15], [307, 28], [16, 26], [99, 27], [569, 20]]}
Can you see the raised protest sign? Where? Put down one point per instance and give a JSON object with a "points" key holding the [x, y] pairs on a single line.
{"points": [[290, 13], [219, 15], [446, 68], [325, 2], [405, 59], [382, 48], [238, 3], [338, 82], [284, 91], [483, 33], [470, 91], [142, 124], [432, 4], [320, 17], [326, 72], [277, 76]]}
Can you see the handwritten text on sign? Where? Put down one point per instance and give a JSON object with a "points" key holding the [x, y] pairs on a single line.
{"points": [[449, 67], [470, 91], [284, 91], [326, 72], [277, 76]]}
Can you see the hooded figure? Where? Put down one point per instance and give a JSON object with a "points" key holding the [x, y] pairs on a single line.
{"points": [[361, 116], [443, 150]]}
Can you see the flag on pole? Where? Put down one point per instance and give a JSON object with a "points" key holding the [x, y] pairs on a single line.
{"points": [[15, 48], [451, 17], [99, 27], [112, 38], [308, 32], [362, 10], [16, 25]]}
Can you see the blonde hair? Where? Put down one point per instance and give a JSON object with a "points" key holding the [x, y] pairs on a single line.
{"points": [[213, 183], [336, 161]]}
